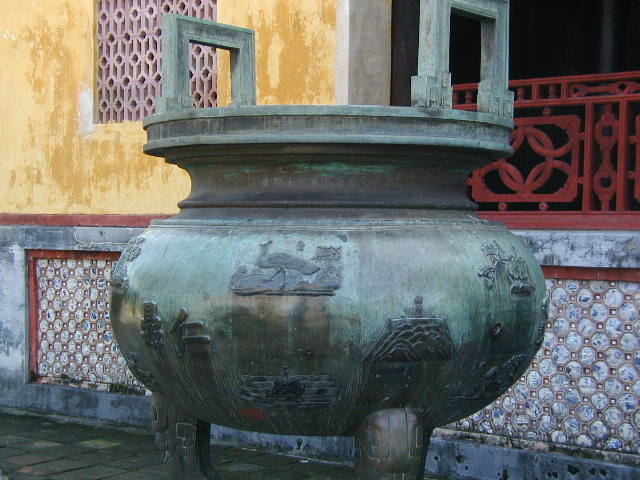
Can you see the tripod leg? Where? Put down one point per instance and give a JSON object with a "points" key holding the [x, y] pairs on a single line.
{"points": [[391, 445], [184, 441]]}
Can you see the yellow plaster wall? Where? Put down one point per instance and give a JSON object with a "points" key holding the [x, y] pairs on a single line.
{"points": [[55, 160], [295, 49]]}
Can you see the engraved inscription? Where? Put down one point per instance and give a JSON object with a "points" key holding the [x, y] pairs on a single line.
{"points": [[285, 390], [281, 273], [188, 333], [360, 181], [413, 339], [513, 267], [151, 326], [119, 277]]}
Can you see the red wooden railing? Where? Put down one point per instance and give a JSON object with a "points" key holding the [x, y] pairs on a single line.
{"points": [[576, 161]]}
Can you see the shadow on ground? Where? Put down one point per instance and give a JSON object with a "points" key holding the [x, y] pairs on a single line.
{"points": [[44, 448]]}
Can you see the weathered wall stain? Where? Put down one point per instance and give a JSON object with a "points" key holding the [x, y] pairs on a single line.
{"points": [[60, 162], [8, 340], [12, 304], [296, 43]]}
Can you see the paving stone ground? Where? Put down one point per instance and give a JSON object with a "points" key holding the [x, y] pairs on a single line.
{"points": [[34, 447], [43, 448]]}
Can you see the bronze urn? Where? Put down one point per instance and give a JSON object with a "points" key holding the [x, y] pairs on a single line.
{"points": [[326, 274]]}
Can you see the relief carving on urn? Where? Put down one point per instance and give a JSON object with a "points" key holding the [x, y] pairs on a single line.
{"points": [[512, 269], [189, 333], [286, 390], [415, 338], [119, 278], [281, 273]]}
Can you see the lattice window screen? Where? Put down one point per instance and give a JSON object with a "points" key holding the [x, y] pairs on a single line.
{"points": [[130, 57]]}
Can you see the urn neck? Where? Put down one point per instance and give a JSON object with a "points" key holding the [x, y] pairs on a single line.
{"points": [[327, 157], [405, 180]]}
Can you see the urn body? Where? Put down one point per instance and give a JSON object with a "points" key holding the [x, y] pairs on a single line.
{"points": [[313, 279]]}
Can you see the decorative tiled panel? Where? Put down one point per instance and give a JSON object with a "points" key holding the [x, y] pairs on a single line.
{"points": [[130, 57], [71, 336], [583, 387]]}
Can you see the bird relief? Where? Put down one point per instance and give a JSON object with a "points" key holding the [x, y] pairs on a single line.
{"points": [[281, 273]]}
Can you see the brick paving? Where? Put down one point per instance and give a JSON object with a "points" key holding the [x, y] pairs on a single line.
{"points": [[56, 449]]}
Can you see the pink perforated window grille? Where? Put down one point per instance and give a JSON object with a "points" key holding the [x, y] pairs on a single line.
{"points": [[130, 57]]}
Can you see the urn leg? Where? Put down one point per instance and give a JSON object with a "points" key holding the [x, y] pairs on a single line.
{"points": [[392, 445], [184, 441]]}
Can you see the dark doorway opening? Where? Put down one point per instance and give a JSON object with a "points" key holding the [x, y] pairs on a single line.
{"points": [[548, 38], [405, 26]]}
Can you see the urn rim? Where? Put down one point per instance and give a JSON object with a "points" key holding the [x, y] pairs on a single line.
{"points": [[309, 126]]}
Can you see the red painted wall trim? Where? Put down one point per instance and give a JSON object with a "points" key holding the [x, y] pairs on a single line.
{"points": [[78, 220], [76, 254], [565, 221], [33, 316], [34, 300], [591, 273]]}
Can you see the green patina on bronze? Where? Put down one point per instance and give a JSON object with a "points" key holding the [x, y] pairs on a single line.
{"points": [[325, 276], [177, 32]]}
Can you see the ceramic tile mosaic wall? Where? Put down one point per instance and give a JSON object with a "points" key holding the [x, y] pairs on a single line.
{"points": [[583, 386], [75, 344]]}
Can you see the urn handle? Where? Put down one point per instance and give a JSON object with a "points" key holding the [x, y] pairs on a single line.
{"points": [[431, 87], [178, 32]]}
